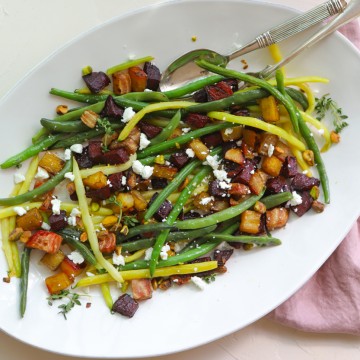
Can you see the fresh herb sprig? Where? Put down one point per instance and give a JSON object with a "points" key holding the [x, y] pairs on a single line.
{"points": [[73, 299], [130, 220], [327, 104]]}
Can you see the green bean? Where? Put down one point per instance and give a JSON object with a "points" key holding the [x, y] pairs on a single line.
{"points": [[146, 228], [290, 107], [168, 130], [172, 237], [42, 189], [192, 87], [298, 96], [183, 139], [61, 126], [271, 201], [174, 213], [245, 239], [24, 279], [174, 184], [72, 237], [146, 96], [84, 98], [151, 159], [84, 136], [237, 98], [31, 151], [220, 216]]}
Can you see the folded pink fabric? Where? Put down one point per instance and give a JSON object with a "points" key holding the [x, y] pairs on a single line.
{"points": [[330, 301]]}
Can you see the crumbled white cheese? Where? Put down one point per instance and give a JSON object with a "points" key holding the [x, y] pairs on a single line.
{"points": [[71, 220], [305, 171], [76, 148], [224, 185], [148, 90], [148, 253], [179, 245], [19, 210], [144, 141], [56, 206], [88, 273], [67, 154], [164, 250], [128, 114], [199, 282], [75, 212], [296, 199], [321, 131], [270, 150], [76, 257], [213, 161], [45, 226], [123, 180], [69, 175], [228, 131], [185, 130], [18, 178], [41, 174], [206, 200], [190, 153], [221, 175], [144, 171], [118, 259]]}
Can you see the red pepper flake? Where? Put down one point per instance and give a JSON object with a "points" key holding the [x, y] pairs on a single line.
{"points": [[88, 305]]}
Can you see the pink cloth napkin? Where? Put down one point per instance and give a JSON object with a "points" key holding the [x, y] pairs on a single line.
{"points": [[330, 301]]}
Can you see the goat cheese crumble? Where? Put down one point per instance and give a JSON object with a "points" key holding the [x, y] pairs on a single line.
{"points": [[144, 171], [199, 282], [56, 206], [76, 257], [296, 199], [144, 141], [205, 201], [19, 210], [118, 259], [271, 150], [69, 175], [164, 250], [76, 148], [18, 178], [128, 114], [190, 153], [41, 174]]}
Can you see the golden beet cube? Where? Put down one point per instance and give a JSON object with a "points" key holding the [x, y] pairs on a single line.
{"points": [[235, 155], [51, 163], [32, 220], [96, 181], [250, 222], [271, 165], [269, 109], [53, 261], [276, 218]]}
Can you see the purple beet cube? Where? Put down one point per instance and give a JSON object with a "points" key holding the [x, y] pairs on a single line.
{"points": [[222, 256], [305, 206], [216, 190], [303, 182], [58, 221], [212, 140], [276, 185], [149, 130], [179, 159], [117, 182], [116, 156], [125, 305], [111, 110], [153, 76], [290, 167], [95, 151], [158, 183], [96, 81], [83, 159], [99, 194]]}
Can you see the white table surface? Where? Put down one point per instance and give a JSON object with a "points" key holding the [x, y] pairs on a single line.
{"points": [[29, 32]]}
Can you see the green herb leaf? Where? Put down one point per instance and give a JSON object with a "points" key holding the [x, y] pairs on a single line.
{"points": [[73, 299], [324, 105]]}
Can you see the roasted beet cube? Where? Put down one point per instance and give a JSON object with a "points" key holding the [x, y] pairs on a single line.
{"points": [[233, 83], [222, 256], [99, 194], [303, 182], [276, 185], [290, 167], [196, 120], [200, 96], [306, 202], [95, 151], [216, 190], [245, 173], [153, 76], [158, 183], [84, 161], [163, 210], [96, 81], [218, 91], [149, 130], [179, 159], [111, 110], [212, 140], [190, 215], [116, 156], [125, 305], [58, 221], [117, 181]]}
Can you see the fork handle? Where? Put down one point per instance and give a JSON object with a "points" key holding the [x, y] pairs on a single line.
{"points": [[292, 26]]}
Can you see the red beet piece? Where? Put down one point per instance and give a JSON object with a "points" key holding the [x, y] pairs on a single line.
{"points": [[58, 221], [245, 173], [158, 183], [212, 140], [303, 182], [111, 110], [218, 91], [96, 81], [276, 185], [200, 96], [149, 130], [216, 190], [84, 160], [95, 151], [116, 156], [125, 305], [305, 205], [116, 182], [179, 159], [290, 167], [153, 76], [99, 194], [196, 121], [164, 209], [233, 83], [222, 256]]}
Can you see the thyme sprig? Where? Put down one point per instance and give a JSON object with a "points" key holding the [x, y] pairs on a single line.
{"points": [[326, 104], [73, 299]]}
